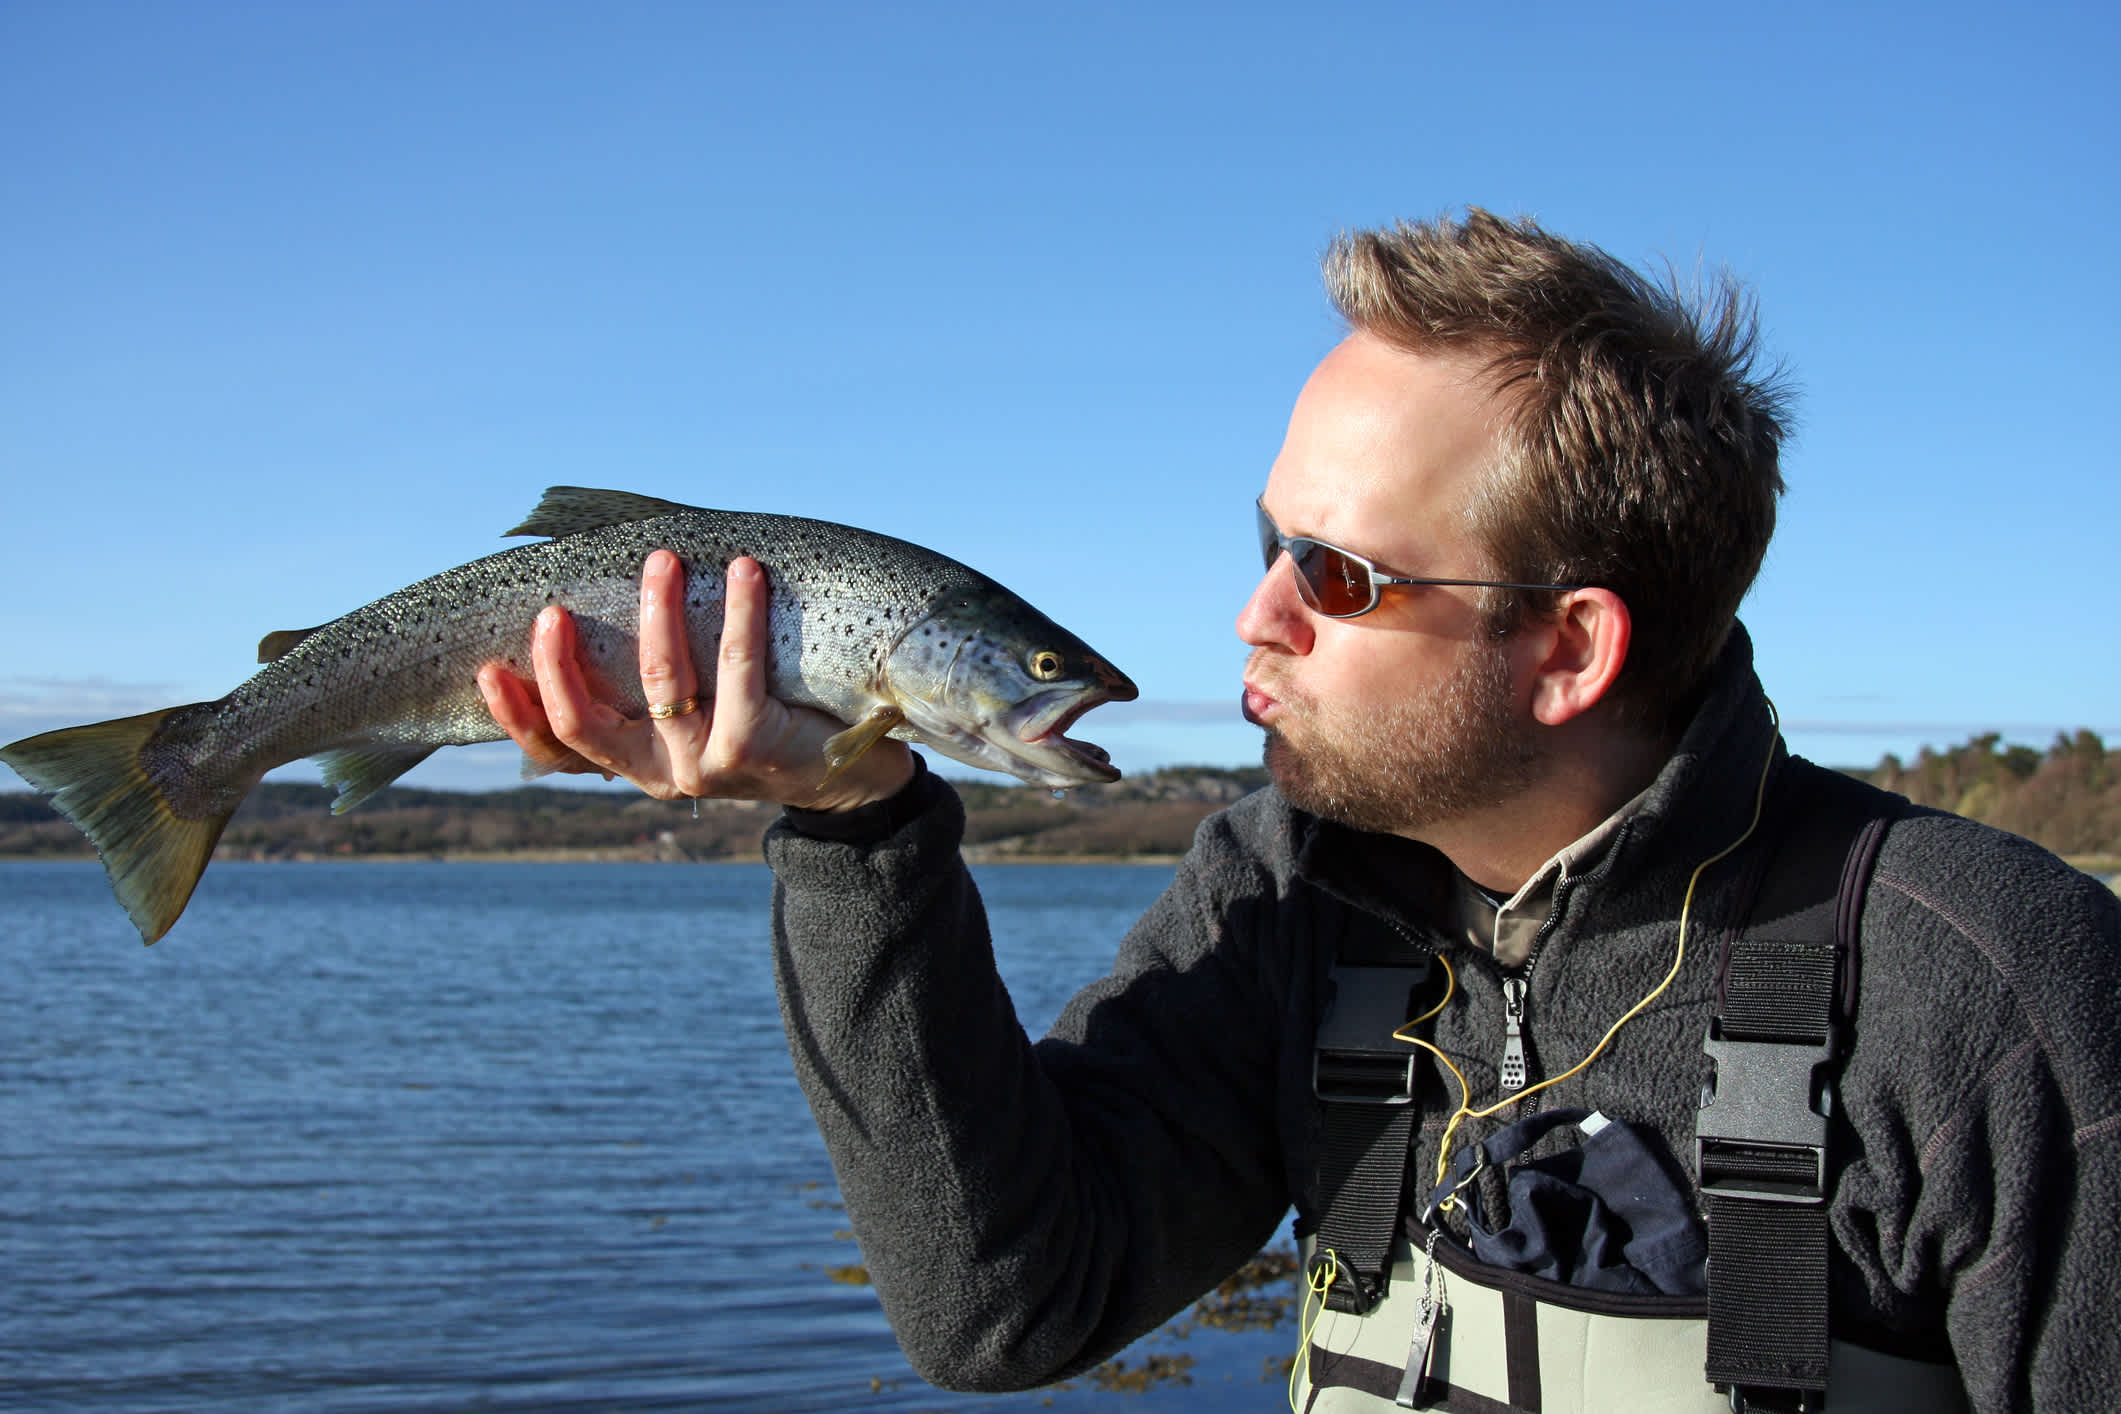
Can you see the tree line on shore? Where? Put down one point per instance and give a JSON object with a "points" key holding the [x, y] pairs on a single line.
{"points": [[1148, 815], [2067, 798]]}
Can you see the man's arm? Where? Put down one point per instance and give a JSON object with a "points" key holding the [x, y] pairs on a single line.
{"points": [[2033, 1288], [1985, 1088], [1026, 1210]]}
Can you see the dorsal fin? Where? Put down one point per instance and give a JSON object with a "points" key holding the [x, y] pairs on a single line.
{"points": [[569, 510], [275, 644]]}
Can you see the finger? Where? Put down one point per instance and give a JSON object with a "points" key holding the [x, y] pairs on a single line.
{"points": [[667, 676], [666, 658], [592, 729], [740, 701], [513, 705]]}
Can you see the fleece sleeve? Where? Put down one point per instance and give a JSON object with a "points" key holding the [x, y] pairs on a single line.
{"points": [[1024, 1209], [1998, 1079], [2033, 1247]]}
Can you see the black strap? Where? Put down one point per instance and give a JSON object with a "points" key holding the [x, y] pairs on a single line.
{"points": [[1366, 1086], [1786, 991]]}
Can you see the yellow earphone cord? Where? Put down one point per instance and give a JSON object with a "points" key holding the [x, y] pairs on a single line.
{"points": [[1465, 1091], [1322, 1279]]}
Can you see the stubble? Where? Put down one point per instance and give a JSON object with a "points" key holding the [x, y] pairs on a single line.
{"points": [[1416, 763]]}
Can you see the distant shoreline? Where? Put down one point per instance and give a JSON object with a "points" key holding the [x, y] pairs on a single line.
{"points": [[589, 856], [1149, 819], [2104, 867]]}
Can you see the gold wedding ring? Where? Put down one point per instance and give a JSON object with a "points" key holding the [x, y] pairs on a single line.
{"points": [[675, 709]]}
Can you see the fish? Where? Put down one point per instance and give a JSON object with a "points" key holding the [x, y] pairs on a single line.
{"points": [[888, 637]]}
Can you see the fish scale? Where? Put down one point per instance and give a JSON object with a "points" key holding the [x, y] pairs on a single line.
{"points": [[887, 636]]}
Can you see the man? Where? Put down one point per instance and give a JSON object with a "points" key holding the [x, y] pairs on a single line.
{"points": [[1513, 727]]}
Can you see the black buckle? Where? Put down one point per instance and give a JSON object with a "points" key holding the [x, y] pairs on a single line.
{"points": [[1355, 1291], [1761, 1133], [1760, 1399], [1356, 1061]]}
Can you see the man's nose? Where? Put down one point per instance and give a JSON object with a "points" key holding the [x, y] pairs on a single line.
{"points": [[1275, 616]]}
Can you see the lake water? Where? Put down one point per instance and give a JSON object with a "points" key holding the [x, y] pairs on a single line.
{"points": [[398, 1137]]}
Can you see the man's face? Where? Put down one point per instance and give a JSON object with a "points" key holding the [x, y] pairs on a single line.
{"points": [[1410, 715]]}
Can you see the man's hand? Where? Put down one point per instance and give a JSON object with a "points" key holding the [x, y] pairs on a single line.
{"points": [[743, 745]]}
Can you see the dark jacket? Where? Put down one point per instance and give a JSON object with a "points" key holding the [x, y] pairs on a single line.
{"points": [[1027, 1210]]}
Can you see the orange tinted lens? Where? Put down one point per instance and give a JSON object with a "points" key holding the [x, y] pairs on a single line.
{"points": [[1333, 582]]}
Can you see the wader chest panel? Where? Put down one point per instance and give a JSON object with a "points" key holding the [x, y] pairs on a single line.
{"points": [[1785, 993], [1515, 1351]]}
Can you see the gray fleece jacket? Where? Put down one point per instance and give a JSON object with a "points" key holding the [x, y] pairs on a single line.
{"points": [[1028, 1209]]}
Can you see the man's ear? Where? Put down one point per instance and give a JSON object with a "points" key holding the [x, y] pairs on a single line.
{"points": [[1584, 647]]}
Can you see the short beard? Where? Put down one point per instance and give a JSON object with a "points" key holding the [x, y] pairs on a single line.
{"points": [[1417, 763]]}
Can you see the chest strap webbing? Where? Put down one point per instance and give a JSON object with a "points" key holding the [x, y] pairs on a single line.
{"points": [[1366, 1086], [1785, 994]]}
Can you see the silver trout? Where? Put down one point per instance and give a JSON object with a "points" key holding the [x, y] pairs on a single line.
{"points": [[891, 638]]}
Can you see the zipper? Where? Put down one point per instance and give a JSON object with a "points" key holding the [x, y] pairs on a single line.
{"points": [[1513, 1065], [1515, 1072]]}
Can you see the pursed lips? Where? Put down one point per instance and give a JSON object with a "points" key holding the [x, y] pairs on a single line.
{"points": [[1260, 706], [1263, 698]]}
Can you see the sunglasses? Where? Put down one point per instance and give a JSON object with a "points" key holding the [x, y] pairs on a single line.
{"points": [[1341, 584]]}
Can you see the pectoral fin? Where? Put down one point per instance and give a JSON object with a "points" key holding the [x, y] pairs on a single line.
{"points": [[849, 746], [536, 770]]}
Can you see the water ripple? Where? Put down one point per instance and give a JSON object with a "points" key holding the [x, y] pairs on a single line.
{"points": [[444, 1137]]}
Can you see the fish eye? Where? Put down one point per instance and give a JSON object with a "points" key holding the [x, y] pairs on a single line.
{"points": [[1046, 665]]}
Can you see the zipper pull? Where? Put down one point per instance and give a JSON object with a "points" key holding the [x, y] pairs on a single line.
{"points": [[1513, 1066]]}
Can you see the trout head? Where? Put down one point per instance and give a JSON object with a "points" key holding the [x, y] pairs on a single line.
{"points": [[997, 685]]}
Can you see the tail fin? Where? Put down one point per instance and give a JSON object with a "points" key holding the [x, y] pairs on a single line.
{"points": [[96, 778]]}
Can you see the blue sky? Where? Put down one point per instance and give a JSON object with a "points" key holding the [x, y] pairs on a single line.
{"points": [[304, 302]]}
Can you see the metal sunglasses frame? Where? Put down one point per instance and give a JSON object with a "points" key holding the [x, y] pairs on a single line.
{"points": [[1273, 545]]}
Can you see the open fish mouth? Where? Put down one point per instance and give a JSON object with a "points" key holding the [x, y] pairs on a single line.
{"points": [[1027, 738], [1041, 723]]}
